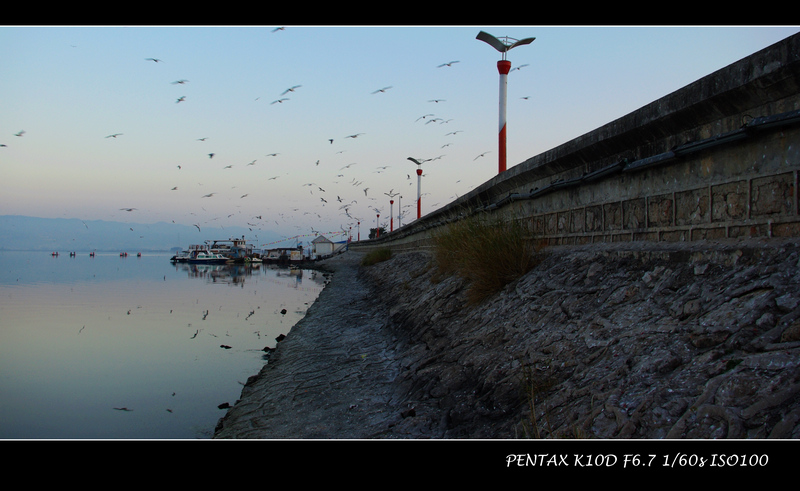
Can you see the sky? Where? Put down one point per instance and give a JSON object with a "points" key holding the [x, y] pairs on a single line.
{"points": [[311, 127]]}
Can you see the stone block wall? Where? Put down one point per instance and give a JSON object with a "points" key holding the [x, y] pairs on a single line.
{"points": [[716, 159]]}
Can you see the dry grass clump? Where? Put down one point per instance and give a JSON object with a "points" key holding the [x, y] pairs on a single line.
{"points": [[376, 256], [487, 253]]}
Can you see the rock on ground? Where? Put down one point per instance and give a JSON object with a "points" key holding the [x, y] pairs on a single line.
{"points": [[635, 341]]}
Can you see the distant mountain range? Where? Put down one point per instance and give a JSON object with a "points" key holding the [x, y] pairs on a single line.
{"points": [[72, 234]]}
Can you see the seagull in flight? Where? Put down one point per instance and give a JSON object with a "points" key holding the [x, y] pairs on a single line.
{"points": [[291, 89], [21, 132], [181, 82], [208, 195], [354, 135], [114, 135], [127, 209], [383, 89], [180, 99], [479, 156], [447, 64], [154, 59], [279, 101]]}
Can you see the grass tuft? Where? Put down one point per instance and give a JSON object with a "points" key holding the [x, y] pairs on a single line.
{"points": [[488, 254], [376, 256]]}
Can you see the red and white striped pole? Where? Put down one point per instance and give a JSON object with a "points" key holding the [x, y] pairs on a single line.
{"points": [[391, 215], [503, 67], [419, 192]]}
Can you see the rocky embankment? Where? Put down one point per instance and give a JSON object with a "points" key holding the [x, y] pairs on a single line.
{"points": [[635, 340]]}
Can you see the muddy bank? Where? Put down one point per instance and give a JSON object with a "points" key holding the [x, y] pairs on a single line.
{"points": [[636, 340]]}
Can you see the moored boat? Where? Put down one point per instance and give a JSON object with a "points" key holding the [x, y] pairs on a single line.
{"points": [[205, 257]]}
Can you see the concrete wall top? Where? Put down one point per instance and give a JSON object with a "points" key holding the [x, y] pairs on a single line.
{"points": [[762, 84]]}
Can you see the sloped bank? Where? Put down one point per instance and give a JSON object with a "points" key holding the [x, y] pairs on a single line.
{"points": [[635, 340]]}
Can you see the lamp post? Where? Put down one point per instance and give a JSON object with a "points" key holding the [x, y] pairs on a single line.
{"points": [[391, 209], [400, 212], [503, 67], [419, 186]]}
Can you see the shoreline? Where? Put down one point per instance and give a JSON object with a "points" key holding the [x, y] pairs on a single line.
{"points": [[330, 377]]}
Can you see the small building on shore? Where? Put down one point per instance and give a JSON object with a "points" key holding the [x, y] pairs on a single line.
{"points": [[322, 246]]}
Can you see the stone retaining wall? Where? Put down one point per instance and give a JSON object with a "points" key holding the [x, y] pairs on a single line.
{"points": [[715, 159]]}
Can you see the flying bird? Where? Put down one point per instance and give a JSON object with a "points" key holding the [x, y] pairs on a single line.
{"points": [[479, 156], [383, 89], [180, 99], [447, 64], [279, 29], [114, 135], [127, 209], [208, 195], [21, 132], [354, 135], [181, 82], [279, 101], [291, 89], [154, 59]]}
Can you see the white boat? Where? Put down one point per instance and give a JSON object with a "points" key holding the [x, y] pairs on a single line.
{"points": [[205, 257], [192, 251]]}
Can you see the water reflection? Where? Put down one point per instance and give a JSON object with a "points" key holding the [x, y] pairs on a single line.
{"points": [[83, 335]]}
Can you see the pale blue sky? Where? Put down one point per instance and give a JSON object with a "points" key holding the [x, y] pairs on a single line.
{"points": [[68, 88]]}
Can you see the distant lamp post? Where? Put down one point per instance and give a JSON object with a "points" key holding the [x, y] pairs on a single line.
{"points": [[419, 186], [391, 215], [391, 209], [400, 212], [503, 66]]}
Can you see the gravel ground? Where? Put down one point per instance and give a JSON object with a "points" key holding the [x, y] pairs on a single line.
{"points": [[331, 377]]}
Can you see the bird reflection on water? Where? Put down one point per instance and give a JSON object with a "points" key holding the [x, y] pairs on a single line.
{"points": [[98, 346]]}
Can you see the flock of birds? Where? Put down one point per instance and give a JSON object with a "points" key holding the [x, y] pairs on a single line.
{"points": [[339, 205]]}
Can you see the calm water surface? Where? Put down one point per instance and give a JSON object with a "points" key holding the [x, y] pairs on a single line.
{"points": [[108, 347]]}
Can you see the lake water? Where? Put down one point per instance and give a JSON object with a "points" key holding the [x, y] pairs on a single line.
{"points": [[111, 347]]}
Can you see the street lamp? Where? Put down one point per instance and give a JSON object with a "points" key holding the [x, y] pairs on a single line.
{"points": [[503, 67], [391, 215], [419, 186], [391, 209]]}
